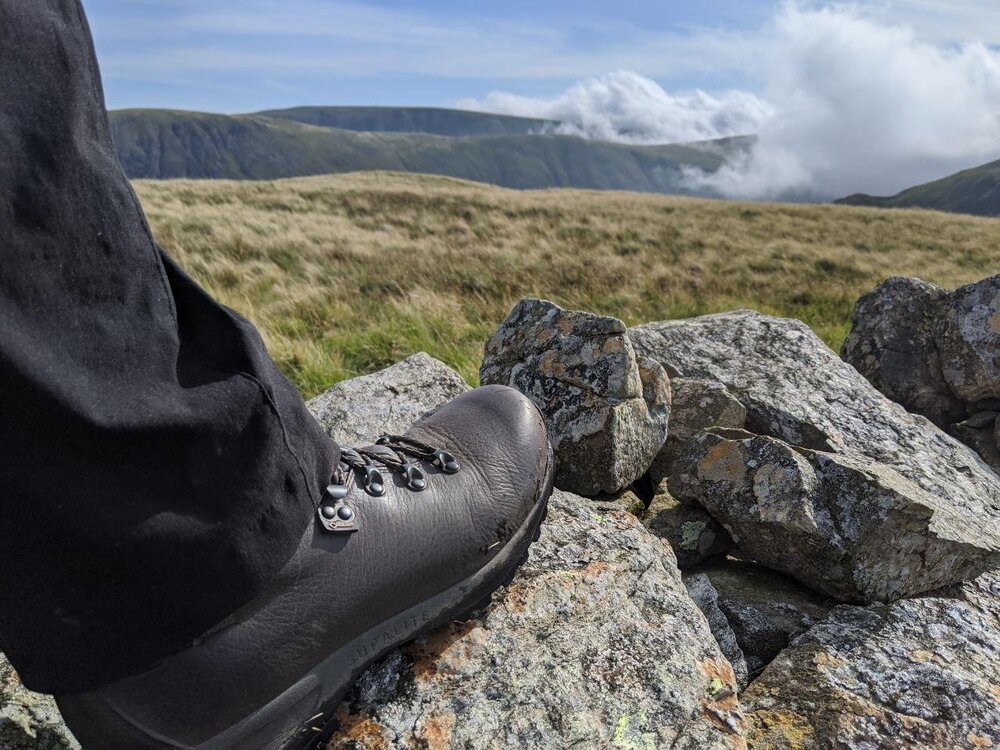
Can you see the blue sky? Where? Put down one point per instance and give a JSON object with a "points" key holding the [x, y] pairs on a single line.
{"points": [[873, 95], [244, 55]]}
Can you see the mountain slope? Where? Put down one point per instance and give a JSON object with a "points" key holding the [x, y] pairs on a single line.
{"points": [[171, 144], [972, 191], [430, 120]]}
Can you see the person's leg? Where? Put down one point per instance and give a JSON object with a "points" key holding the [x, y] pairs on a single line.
{"points": [[156, 469]]}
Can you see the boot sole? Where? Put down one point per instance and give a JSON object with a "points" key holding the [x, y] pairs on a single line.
{"points": [[280, 724]]}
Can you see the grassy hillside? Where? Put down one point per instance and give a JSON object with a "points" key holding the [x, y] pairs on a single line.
{"points": [[169, 144], [451, 122], [972, 191], [348, 273]]}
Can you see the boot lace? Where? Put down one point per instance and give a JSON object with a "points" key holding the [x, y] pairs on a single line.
{"points": [[397, 453]]}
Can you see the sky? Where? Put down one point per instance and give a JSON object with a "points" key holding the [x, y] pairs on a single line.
{"points": [[871, 96]]}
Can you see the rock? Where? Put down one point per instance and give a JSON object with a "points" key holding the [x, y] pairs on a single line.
{"points": [[627, 500], [355, 412], [983, 441], [693, 534], [703, 594], [595, 644], [851, 529], [763, 609], [606, 409], [920, 673], [837, 466], [892, 344], [967, 335], [696, 406], [29, 721]]}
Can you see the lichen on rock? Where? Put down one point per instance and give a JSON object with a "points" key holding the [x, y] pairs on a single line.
{"points": [[606, 409]]}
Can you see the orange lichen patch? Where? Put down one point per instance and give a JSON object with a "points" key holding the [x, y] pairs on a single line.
{"points": [[995, 323], [566, 325], [544, 335], [516, 597], [779, 730], [434, 732], [428, 651], [723, 463], [978, 741], [920, 656], [719, 704], [357, 733], [826, 659], [613, 345], [594, 570]]}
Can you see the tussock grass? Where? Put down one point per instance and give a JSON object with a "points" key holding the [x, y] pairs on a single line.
{"points": [[345, 274]]}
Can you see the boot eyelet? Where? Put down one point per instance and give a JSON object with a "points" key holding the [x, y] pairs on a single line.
{"points": [[414, 477], [374, 483], [447, 462]]}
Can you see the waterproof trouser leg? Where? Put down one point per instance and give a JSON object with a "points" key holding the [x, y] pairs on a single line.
{"points": [[156, 469]]}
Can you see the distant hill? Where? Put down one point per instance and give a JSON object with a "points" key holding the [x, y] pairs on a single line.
{"points": [[972, 191], [173, 144], [429, 120]]}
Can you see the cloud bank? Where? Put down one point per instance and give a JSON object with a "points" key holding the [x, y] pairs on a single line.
{"points": [[627, 107], [843, 102]]}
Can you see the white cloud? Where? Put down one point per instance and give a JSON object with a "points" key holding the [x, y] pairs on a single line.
{"points": [[625, 106], [847, 102]]}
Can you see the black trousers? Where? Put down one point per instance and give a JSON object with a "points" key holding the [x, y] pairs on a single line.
{"points": [[155, 467]]}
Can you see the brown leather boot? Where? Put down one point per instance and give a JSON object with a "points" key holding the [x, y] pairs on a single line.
{"points": [[413, 532]]}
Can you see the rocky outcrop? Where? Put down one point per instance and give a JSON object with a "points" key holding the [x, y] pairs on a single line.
{"points": [[704, 594], [935, 352], [696, 405], [832, 483], [920, 673], [967, 335], [892, 344], [605, 408], [595, 644], [763, 609], [356, 411]]}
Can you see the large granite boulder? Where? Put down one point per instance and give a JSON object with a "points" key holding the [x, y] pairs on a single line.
{"points": [[935, 352], [830, 470], [595, 644], [891, 343], [605, 408], [696, 405], [918, 674], [356, 411], [967, 335]]}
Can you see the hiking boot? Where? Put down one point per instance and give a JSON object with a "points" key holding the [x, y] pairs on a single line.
{"points": [[413, 532]]}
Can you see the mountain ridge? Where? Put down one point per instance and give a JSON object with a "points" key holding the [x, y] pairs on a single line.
{"points": [[974, 191], [161, 144]]}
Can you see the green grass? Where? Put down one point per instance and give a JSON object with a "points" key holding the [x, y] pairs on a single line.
{"points": [[346, 274]]}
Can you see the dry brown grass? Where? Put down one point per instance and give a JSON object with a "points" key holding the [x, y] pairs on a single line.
{"points": [[344, 274]]}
